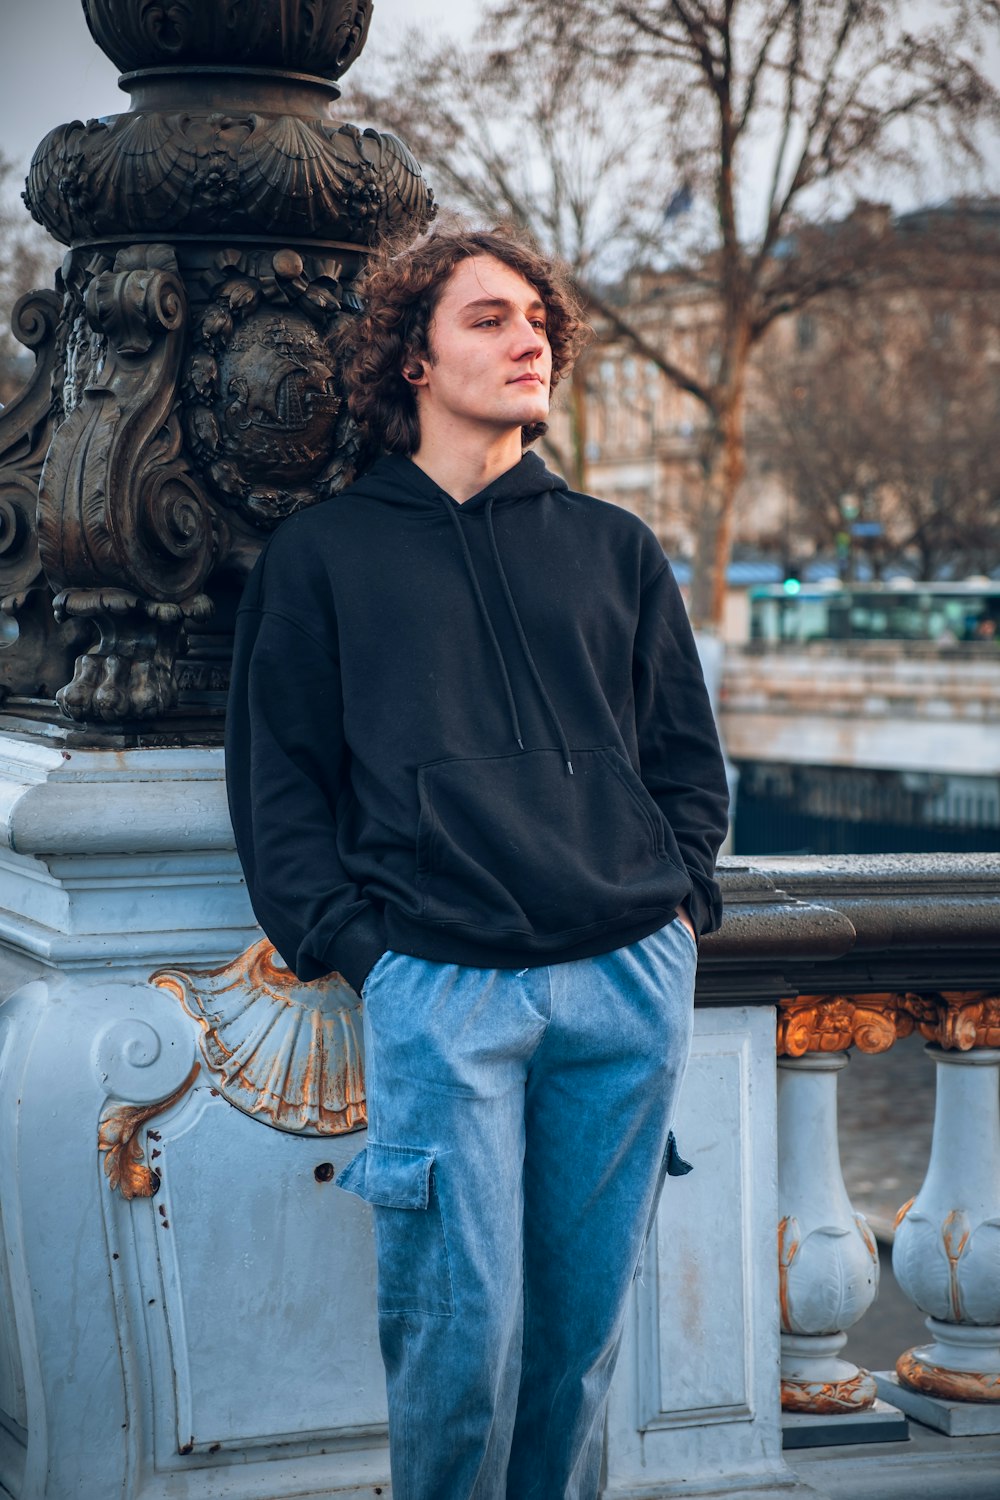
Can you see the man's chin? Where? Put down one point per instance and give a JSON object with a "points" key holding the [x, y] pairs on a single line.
{"points": [[527, 412]]}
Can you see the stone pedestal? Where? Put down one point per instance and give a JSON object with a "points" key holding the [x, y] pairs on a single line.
{"points": [[187, 1303], [694, 1407], [115, 860]]}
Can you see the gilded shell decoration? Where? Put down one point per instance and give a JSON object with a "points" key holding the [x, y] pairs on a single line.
{"points": [[287, 1052]]}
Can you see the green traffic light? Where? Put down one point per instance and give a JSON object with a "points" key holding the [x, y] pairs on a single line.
{"points": [[791, 585]]}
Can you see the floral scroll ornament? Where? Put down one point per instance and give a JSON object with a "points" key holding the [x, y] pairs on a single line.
{"points": [[812, 1023], [955, 1019], [119, 1141], [145, 1061]]}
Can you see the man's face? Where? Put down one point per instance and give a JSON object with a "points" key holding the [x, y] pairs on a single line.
{"points": [[491, 363]]}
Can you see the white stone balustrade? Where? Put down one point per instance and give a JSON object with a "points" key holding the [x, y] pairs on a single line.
{"points": [[827, 1257], [947, 1249], [946, 1254]]}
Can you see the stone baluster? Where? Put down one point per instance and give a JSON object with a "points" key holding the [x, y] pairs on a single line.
{"points": [[828, 1259], [946, 1255]]}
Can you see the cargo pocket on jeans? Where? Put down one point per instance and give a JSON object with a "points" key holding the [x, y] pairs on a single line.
{"points": [[413, 1271]]}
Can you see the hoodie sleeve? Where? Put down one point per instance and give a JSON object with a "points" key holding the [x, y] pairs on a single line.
{"points": [[679, 752], [287, 771]]}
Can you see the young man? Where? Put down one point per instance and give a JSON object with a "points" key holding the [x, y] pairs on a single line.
{"points": [[473, 767]]}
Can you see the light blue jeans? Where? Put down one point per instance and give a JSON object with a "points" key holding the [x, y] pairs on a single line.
{"points": [[518, 1140]]}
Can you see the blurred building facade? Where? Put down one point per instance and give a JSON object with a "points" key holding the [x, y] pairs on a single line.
{"points": [[870, 410]]}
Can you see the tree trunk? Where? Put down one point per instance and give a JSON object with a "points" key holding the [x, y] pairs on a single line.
{"points": [[578, 425], [723, 465]]}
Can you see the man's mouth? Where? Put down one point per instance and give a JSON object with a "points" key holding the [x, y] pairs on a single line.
{"points": [[526, 380]]}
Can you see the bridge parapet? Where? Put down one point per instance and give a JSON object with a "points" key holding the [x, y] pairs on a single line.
{"points": [[896, 705]]}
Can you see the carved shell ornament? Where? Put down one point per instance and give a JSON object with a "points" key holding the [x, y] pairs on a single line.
{"points": [[264, 421], [156, 174], [287, 1052]]}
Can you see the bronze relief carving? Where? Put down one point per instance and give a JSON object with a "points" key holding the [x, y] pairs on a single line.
{"points": [[264, 421], [124, 533], [316, 36], [163, 175], [36, 650], [956, 1019]]}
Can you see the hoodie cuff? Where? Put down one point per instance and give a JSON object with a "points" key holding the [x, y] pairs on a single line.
{"points": [[354, 949], [703, 917]]}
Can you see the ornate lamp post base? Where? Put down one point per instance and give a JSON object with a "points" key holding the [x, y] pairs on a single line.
{"points": [[186, 396]]}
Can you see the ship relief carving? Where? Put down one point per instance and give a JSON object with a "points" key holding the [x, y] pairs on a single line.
{"points": [[264, 421]]}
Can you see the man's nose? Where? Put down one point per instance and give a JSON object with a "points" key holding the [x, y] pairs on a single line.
{"points": [[529, 343]]}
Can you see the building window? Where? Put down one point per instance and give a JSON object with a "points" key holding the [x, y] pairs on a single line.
{"points": [[941, 326], [805, 330]]}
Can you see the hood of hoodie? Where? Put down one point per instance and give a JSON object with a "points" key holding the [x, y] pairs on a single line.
{"points": [[398, 481]]}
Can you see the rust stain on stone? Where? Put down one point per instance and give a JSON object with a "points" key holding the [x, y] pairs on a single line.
{"points": [[118, 1139], [856, 1393], [902, 1212], [955, 1233], [788, 1247], [951, 1385]]}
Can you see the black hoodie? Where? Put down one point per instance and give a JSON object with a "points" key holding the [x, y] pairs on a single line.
{"points": [[477, 733]]}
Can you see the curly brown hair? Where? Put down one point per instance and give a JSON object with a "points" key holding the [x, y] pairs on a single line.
{"points": [[399, 290]]}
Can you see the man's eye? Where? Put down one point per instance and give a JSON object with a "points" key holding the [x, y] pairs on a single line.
{"points": [[488, 323]]}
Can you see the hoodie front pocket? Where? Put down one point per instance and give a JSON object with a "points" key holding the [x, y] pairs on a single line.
{"points": [[514, 843]]}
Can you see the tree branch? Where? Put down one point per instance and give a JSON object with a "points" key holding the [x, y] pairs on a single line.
{"points": [[760, 62]]}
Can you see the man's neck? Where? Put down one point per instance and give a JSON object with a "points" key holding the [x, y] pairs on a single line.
{"points": [[462, 469]]}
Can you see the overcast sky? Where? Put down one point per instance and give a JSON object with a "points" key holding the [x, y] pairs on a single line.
{"points": [[52, 71]]}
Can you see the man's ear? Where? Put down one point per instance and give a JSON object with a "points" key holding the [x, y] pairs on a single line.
{"points": [[414, 372]]}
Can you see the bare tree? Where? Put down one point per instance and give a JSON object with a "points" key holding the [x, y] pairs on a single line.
{"points": [[557, 150], [773, 112], [888, 415], [28, 257]]}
